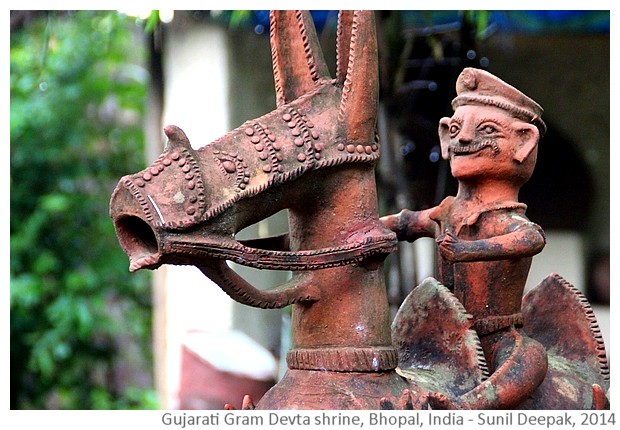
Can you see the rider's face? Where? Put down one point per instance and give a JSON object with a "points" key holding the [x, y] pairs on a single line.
{"points": [[480, 140]]}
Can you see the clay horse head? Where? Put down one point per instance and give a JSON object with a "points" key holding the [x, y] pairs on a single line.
{"points": [[188, 205]]}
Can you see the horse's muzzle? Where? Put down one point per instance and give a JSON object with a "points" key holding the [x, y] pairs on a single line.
{"points": [[134, 231]]}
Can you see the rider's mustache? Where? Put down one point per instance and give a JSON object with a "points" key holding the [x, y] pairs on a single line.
{"points": [[458, 148]]}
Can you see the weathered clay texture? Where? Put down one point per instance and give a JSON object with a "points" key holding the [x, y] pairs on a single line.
{"points": [[461, 341]]}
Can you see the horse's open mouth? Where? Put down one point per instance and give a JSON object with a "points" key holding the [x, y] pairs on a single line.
{"points": [[139, 242]]}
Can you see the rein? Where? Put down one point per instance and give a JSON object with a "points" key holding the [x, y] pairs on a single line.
{"points": [[225, 248]]}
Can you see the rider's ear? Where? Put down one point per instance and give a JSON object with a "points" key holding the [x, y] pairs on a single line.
{"points": [[528, 136], [444, 137]]}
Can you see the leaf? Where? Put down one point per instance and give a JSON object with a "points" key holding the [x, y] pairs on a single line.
{"points": [[152, 21], [55, 203], [74, 77]]}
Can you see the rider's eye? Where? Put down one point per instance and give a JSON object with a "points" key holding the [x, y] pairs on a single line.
{"points": [[454, 130]]}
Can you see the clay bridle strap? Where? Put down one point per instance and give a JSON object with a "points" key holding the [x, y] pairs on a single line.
{"points": [[225, 248], [300, 288]]}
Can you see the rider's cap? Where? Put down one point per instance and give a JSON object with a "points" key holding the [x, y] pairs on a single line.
{"points": [[475, 86]]}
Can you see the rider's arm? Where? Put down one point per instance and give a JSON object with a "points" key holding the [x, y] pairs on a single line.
{"points": [[526, 240], [411, 225]]}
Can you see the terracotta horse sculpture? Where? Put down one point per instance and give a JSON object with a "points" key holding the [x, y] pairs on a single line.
{"points": [[314, 155]]}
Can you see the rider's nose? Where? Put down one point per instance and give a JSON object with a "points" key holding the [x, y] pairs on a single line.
{"points": [[466, 135], [465, 140]]}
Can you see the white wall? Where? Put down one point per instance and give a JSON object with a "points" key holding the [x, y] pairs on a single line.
{"points": [[195, 99], [207, 97]]}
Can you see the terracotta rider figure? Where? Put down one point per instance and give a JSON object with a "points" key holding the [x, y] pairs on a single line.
{"points": [[485, 242]]}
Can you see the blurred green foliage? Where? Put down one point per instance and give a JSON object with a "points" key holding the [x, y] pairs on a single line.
{"points": [[78, 87]]}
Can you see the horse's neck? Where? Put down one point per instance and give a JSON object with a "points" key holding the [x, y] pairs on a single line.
{"points": [[353, 309]]}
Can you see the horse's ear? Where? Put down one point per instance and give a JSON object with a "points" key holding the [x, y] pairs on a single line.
{"points": [[343, 44], [357, 49], [298, 62]]}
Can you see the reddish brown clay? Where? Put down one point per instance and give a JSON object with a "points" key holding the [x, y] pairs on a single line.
{"points": [[315, 156], [485, 246]]}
